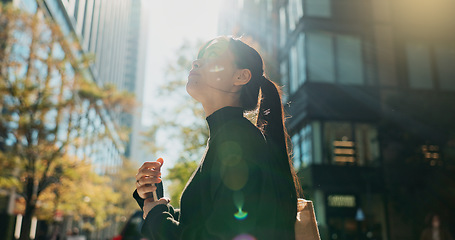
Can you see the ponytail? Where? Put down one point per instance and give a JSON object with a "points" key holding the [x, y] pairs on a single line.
{"points": [[264, 95], [271, 121], [270, 116]]}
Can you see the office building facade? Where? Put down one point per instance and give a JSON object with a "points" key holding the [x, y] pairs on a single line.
{"points": [[370, 87], [114, 32]]}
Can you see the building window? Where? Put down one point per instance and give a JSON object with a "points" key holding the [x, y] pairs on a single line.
{"points": [[317, 153], [294, 70], [297, 63], [349, 60], [321, 57], [302, 58], [296, 156], [306, 141], [283, 26], [431, 155], [367, 144], [419, 68], [295, 12], [326, 49], [347, 143], [318, 8], [341, 201], [291, 16], [284, 76], [344, 151], [445, 60]]}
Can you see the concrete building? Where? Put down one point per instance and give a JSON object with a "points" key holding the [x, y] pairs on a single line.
{"points": [[370, 86]]}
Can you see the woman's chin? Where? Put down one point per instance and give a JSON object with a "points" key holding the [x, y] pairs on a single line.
{"points": [[191, 89]]}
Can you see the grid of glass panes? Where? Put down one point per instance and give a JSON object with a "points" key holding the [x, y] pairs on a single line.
{"points": [[419, 65], [350, 143], [334, 58]]}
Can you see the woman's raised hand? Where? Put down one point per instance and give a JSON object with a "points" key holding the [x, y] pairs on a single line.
{"points": [[147, 175]]}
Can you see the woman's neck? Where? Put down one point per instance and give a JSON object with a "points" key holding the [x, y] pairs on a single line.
{"points": [[211, 107]]}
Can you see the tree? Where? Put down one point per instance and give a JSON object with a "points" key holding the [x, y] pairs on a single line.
{"points": [[45, 102], [96, 200], [123, 183]]}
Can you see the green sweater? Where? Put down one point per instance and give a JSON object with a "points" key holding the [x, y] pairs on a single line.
{"points": [[233, 194]]}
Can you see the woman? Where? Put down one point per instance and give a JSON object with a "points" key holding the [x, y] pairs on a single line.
{"points": [[245, 186]]}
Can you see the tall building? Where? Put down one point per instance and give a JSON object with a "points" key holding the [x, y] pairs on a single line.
{"points": [[370, 86], [115, 33]]}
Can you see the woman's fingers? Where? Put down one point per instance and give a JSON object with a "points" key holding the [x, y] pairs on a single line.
{"points": [[144, 172], [153, 165], [161, 161], [149, 204], [145, 191], [150, 169], [148, 174], [148, 180]]}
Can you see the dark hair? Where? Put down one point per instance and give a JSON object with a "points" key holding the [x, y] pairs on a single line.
{"points": [[264, 95]]}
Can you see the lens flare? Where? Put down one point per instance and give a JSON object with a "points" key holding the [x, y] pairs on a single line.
{"points": [[238, 201], [240, 215], [216, 69], [234, 170]]}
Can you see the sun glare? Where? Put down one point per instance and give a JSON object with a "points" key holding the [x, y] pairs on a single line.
{"points": [[171, 23]]}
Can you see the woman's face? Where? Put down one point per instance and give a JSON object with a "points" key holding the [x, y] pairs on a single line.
{"points": [[213, 73]]}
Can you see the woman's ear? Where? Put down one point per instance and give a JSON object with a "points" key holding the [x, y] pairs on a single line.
{"points": [[243, 77]]}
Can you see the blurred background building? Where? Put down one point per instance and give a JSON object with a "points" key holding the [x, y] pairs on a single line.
{"points": [[370, 86], [115, 33]]}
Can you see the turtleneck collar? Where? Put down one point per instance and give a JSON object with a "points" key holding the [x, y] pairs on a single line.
{"points": [[222, 116]]}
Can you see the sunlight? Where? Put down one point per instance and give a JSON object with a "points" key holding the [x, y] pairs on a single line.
{"points": [[170, 24], [217, 69]]}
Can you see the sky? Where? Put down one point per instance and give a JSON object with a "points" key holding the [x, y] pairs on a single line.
{"points": [[171, 22]]}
